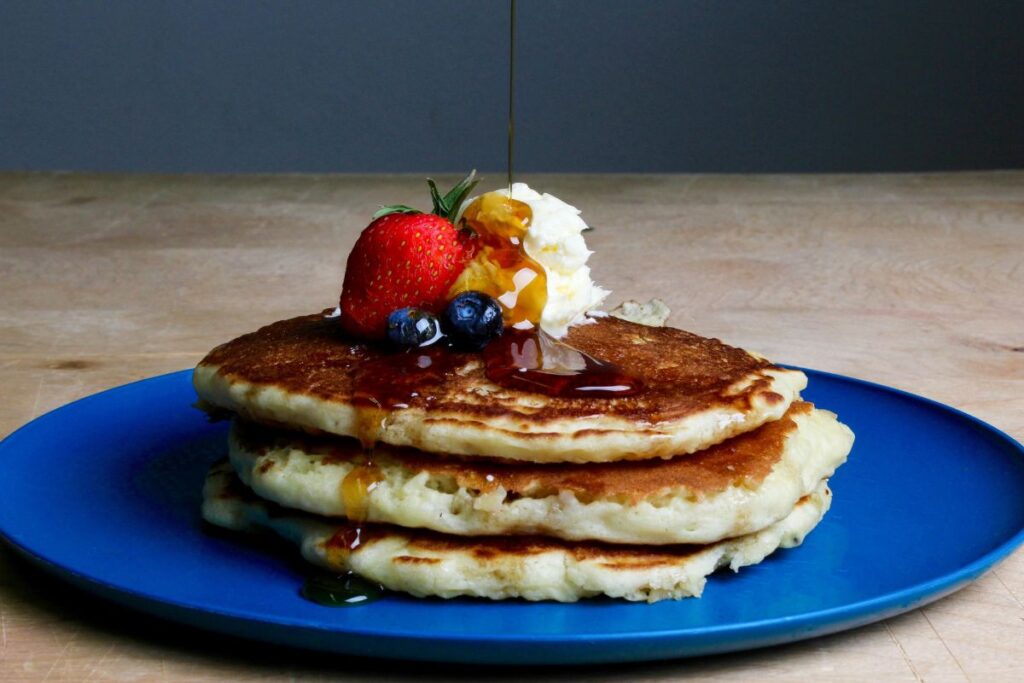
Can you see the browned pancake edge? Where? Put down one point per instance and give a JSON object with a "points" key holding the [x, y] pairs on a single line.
{"points": [[683, 373], [744, 460]]}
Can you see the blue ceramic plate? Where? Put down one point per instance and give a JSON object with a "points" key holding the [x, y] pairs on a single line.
{"points": [[105, 493]]}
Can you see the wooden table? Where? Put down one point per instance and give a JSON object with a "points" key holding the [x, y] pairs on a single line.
{"points": [[911, 280]]}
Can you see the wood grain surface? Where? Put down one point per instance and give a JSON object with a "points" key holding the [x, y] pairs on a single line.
{"points": [[916, 281]]}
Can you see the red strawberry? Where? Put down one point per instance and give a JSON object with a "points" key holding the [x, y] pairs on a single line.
{"points": [[404, 258]]}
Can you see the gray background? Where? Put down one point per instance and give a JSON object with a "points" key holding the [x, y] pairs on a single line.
{"points": [[400, 85]]}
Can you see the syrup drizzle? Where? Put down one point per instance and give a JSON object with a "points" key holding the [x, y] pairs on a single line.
{"points": [[511, 87], [342, 590], [384, 384], [535, 361], [524, 358], [501, 268], [394, 380], [356, 487]]}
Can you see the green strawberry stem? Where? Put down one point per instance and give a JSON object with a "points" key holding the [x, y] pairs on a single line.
{"points": [[394, 208], [444, 206]]}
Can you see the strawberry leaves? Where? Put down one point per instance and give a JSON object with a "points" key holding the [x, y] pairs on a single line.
{"points": [[394, 208], [448, 205], [445, 206]]}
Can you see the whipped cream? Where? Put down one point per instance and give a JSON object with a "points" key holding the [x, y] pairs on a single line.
{"points": [[554, 239]]}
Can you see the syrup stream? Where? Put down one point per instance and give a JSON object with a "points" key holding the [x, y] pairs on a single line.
{"points": [[511, 87], [518, 360], [347, 589]]}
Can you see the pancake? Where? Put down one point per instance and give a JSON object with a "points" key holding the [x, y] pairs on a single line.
{"points": [[305, 374], [425, 563], [729, 489]]}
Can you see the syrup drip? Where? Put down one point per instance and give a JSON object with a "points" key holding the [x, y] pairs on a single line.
{"points": [[356, 488], [393, 381], [501, 268], [348, 539], [535, 361], [383, 385], [345, 590], [340, 546]]}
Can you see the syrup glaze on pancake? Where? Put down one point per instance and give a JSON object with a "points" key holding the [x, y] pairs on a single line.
{"points": [[696, 392], [744, 460], [312, 355]]}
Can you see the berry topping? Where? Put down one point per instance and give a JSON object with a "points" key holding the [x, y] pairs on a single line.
{"points": [[403, 259], [472, 320], [413, 327]]}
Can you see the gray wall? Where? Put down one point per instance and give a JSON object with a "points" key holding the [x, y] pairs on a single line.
{"points": [[401, 85]]}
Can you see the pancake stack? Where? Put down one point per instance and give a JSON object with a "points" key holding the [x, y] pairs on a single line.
{"points": [[415, 471]]}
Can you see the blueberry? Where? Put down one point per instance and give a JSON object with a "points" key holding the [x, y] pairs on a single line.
{"points": [[413, 327], [473, 319]]}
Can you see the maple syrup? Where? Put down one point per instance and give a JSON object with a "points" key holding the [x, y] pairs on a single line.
{"points": [[511, 87], [343, 542], [501, 268], [393, 380], [524, 357], [344, 590], [383, 384], [535, 361], [356, 488]]}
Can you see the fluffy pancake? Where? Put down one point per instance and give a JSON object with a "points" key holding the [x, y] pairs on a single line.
{"points": [[304, 373], [729, 489], [535, 568]]}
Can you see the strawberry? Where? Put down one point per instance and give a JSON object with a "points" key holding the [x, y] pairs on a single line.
{"points": [[405, 258]]}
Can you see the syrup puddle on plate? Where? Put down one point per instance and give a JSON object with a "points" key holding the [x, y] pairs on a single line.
{"points": [[340, 590]]}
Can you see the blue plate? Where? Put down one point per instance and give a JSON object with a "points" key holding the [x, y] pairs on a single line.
{"points": [[105, 493]]}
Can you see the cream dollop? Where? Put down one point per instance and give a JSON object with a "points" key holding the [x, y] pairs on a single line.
{"points": [[554, 239]]}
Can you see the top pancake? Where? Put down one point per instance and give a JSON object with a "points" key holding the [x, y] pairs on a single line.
{"points": [[305, 373]]}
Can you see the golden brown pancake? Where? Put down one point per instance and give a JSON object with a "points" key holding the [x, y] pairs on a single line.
{"points": [[729, 489], [305, 373], [499, 567], [744, 460]]}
